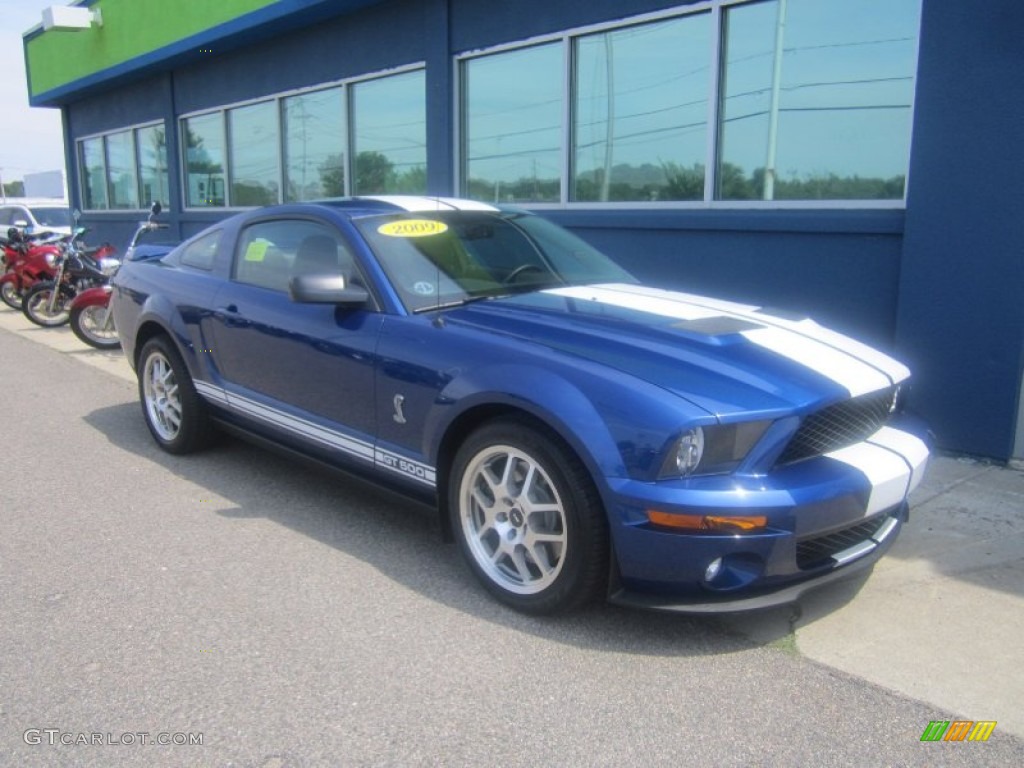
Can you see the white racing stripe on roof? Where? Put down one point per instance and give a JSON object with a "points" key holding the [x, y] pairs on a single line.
{"points": [[856, 367], [415, 204]]}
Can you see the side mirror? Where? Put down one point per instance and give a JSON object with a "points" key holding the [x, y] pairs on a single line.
{"points": [[155, 209], [326, 289]]}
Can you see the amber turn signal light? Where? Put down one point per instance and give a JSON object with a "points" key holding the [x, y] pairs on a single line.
{"points": [[711, 523]]}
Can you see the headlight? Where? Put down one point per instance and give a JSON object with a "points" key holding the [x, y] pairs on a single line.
{"points": [[109, 265], [689, 451], [51, 259], [712, 450]]}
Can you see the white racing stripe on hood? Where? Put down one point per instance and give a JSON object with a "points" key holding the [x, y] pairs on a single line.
{"points": [[852, 374], [663, 306], [856, 367]]}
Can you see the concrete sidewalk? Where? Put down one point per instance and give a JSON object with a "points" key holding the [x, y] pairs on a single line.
{"points": [[941, 617]]}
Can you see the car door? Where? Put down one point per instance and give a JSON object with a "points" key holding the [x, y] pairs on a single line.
{"points": [[306, 370]]}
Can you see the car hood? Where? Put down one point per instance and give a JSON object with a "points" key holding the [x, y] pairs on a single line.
{"points": [[727, 358]]}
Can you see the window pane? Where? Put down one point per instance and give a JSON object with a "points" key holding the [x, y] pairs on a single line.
{"points": [[124, 188], [314, 145], [641, 111], [390, 127], [152, 148], [94, 174], [202, 253], [512, 106], [204, 157], [254, 154], [841, 101]]}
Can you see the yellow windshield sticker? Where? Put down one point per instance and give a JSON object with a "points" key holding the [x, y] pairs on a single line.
{"points": [[256, 250], [413, 228]]}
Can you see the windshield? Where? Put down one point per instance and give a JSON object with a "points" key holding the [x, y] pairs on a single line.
{"points": [[52, 217], [447, 258]]}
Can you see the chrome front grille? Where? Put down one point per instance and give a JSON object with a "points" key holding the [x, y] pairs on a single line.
{"points": [[840, 425]]}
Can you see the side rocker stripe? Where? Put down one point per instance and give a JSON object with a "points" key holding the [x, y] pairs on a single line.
{"points": [[361, 449]]}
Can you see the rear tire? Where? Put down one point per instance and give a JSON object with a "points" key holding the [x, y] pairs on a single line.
{"points": [[528, 518], [94, 326], [35, 305], [176, 416]]}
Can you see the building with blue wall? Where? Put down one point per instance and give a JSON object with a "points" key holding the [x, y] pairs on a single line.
{"points": [[855, 161]]}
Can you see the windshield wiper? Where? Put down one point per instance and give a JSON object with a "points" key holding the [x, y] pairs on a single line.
{"points": [[459, 302]]}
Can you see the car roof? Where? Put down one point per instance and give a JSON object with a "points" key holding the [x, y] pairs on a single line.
{"points": [[372, 205]]}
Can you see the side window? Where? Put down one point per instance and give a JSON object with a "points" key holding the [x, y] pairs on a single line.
{"points": [[5, 217], [202, 252], [270, 253]]}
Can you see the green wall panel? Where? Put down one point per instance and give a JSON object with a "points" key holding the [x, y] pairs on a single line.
{"points": [[131, 28]]}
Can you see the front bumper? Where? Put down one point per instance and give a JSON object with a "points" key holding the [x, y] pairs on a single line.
{"points": [[827, 518], [702, 601]]}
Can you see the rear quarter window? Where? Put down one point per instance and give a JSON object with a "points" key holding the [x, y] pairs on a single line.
{"points": [[201, 253]]}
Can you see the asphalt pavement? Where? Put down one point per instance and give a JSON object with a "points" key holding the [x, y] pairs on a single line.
{"points": [[286, 617]]}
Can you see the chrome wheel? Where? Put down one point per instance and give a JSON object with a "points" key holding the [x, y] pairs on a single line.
{"points": [[160, 395], [95, 326], [176, 416], [528, 518], [36, 306], [10, 296], [513, 520]]}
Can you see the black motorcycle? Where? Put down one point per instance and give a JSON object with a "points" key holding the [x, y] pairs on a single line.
{"points": [[49, 303]]}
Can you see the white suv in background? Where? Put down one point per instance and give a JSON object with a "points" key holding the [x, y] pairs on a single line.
{"points": [[34, 215]]}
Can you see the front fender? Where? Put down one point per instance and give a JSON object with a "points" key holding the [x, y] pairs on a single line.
{"points": [[618, 426], [99, 296], [558, 403]]}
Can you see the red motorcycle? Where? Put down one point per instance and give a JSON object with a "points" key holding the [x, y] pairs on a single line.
{"points": [[90, 316], [28, 259]]}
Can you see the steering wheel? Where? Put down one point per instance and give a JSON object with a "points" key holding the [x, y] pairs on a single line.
{"points": [[520, 270]]}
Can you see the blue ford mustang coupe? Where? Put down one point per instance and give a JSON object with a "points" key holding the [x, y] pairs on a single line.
{"points": [[580, 434]]}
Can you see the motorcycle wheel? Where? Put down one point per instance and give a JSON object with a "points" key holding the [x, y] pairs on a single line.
{"points": [[94, 326], [36, 306], [10, 296]]}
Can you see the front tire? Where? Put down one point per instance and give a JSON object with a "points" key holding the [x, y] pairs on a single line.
{"points": [[94, 326], [528, 519], [10, 296], [35, 305], [175, 414]]}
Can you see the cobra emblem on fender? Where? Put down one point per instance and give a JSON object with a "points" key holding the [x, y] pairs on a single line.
{"points": [[399, 416]]}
